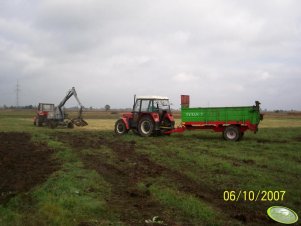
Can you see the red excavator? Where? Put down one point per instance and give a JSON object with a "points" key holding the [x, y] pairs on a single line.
{"points": [[48, 114]]}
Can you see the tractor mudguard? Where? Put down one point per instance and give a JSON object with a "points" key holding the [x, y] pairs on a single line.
{"points": [[126, 122], [155, 116], [169, 117]]}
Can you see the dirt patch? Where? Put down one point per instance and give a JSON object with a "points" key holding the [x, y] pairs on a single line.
{"points": [[298, 138], [248, 161], [23, 164], [80, 141]]}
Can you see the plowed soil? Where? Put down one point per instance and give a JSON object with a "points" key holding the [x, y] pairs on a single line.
{"points": [[131, 167], [23, 164]]}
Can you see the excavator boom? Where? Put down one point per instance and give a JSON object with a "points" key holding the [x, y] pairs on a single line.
{"points": [[79, 121]]}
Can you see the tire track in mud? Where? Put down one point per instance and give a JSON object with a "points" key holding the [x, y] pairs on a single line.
{"points": [[133, 205]]}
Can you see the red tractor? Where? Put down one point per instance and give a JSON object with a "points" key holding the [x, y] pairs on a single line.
{"points": [[151, 115], [52, 116], [42, 114]]}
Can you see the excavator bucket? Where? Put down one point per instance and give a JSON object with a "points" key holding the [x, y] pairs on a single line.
{"points": [[79, 122]]}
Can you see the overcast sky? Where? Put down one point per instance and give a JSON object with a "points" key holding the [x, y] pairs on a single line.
{"points": [[222, 53]]}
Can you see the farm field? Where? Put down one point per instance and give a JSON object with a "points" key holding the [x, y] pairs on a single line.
{"points": [[90, 176]]}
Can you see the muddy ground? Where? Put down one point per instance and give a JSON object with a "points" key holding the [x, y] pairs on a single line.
{"points": [[131, 167], [23, 164]]}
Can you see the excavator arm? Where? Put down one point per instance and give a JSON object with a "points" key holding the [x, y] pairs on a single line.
{"points": [[79, 121]]}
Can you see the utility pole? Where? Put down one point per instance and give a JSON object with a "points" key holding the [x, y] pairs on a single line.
{"points": [[17, 92]]}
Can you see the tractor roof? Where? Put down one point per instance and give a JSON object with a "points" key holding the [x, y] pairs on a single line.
{"points": [[46, 103], [152, 97]]}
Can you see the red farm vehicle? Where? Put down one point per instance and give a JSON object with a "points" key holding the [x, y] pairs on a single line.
{"points": [[150, 115], [49, 115], [231, 121], [42, 113]]}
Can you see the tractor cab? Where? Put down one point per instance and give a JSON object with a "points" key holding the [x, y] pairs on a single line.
{"points": [[150, 115], [44, 111], [151, 104], [45, 107]]}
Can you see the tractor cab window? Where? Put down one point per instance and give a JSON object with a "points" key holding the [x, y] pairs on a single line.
{"points": [[147, 106], [162, 105], [47, 107]]}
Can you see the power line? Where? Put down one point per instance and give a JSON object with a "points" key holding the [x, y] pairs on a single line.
{"points": [[17, 93]]}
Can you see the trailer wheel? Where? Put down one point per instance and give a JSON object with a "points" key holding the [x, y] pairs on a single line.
{"points": [[146, 126], [120, 127], [231, 133]]}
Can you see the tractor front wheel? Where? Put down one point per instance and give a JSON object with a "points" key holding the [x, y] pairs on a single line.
{"points": [[231, 133], [146, 127], [120, 127]]}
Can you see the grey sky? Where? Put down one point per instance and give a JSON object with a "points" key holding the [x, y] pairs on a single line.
{"points": [[222, 53]]}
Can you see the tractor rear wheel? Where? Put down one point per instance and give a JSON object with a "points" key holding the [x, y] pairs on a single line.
{"points": [[146, 126], [231, 133], [120, 127]]}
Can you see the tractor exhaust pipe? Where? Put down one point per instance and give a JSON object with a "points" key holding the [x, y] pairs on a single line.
{"points": [[134, 101]]}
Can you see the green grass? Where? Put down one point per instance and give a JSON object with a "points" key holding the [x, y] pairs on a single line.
{"points": [[196, 210], [268, 160], [202, 151]]}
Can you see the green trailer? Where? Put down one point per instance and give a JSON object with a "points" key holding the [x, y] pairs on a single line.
{"points": [[231, 121]]}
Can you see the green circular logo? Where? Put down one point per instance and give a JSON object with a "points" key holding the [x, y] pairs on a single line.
{"points": [[282, 214]]}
